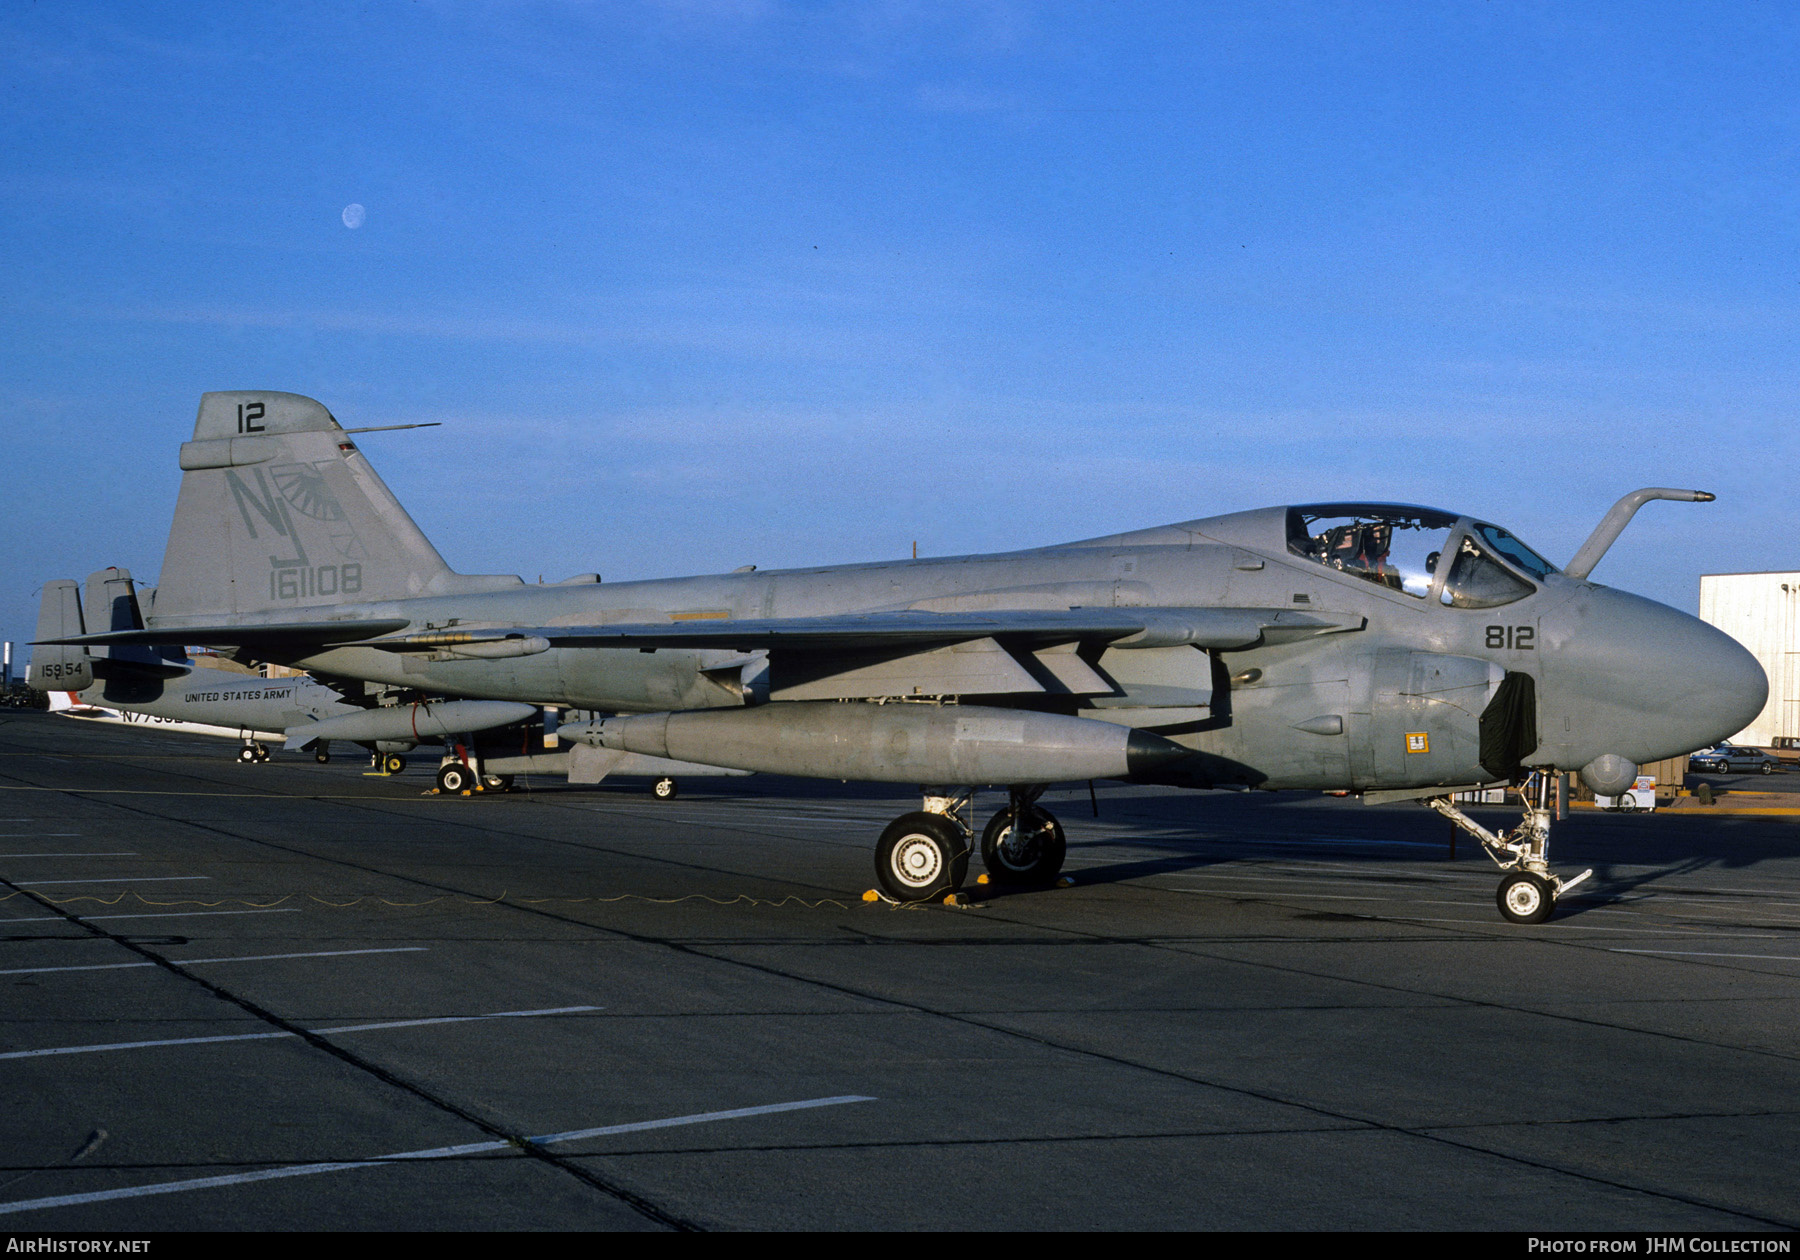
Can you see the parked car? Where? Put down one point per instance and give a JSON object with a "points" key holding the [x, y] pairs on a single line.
{"points": [[1732, 759]]}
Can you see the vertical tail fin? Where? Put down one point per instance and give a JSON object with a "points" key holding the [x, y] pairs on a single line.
{"points": [[60, 668], [280, 511], [111, 603]]}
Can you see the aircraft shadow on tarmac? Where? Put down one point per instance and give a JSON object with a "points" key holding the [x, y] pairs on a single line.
{"points": [[1661, 850]]}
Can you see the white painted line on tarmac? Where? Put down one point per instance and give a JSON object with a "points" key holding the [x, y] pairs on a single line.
{"points": [[129, 879], [272, 1036], [158, 914], [1665, 890], [704, 1117], [1698, 953], [440, 1152], [187, 962], [819, 822]]}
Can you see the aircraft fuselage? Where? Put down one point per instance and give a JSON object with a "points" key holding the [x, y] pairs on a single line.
{"points": [[1393, 703]]}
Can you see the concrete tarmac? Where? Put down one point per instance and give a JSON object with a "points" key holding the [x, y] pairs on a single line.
{"points": [[294, 997]]}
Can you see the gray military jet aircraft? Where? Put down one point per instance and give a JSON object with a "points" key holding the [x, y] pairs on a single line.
{"points": [[1394, 651]]}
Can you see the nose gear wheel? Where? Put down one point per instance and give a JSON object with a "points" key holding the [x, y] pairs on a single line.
{"points": [[1528, 894], [1525, 898]]}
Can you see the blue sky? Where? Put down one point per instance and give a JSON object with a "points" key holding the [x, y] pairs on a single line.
{"points": [[697, 284]]}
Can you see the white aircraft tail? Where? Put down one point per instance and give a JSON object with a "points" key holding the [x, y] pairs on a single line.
{"points": [[279, 511]]}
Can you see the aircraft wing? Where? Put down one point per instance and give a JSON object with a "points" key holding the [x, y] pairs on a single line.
{"points": [[918, 631], [915, 653], [899, 631]]}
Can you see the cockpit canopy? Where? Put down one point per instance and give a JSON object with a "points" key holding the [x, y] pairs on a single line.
{"points": [[1403, 548]]}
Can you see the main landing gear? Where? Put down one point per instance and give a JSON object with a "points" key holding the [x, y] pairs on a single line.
{"points": [[924, 855], [1529, 891], [1023, 843], [454, 778]]}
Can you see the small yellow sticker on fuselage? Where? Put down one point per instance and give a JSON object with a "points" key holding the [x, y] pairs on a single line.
{"points": [[1418, 742]]}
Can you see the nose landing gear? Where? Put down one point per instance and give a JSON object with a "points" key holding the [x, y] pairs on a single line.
{"points": [[1528, 893]]}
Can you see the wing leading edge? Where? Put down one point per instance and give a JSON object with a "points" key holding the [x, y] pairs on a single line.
{"points": [[1223, 628], [1219, 628]]}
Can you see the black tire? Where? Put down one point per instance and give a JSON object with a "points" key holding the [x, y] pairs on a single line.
{"points": [[322, 757], [921, 857], [1625, 804], [246, 754], [1767, 768], [393, 763], [1525, 898], [497, 782], [1038, 860], [259, 753], [665, 789], [454, 778]]}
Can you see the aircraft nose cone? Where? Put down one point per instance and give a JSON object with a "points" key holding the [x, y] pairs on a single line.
{"points": [[1737, 686], [1644, 681]]}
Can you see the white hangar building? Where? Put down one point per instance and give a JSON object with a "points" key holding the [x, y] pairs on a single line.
{"points": [[1762, 611]]}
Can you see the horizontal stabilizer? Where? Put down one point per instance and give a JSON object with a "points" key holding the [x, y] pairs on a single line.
{"points": [[294, 632]]}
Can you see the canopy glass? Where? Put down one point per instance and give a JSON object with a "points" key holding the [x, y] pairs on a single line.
{"points": [[1401, 547]]}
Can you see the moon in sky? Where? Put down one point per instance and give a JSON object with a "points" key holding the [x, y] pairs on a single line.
{"points": [[354, 215]]}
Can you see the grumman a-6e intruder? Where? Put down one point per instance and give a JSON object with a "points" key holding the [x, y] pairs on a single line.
{"points": [[1393, 651]]}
